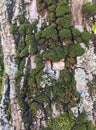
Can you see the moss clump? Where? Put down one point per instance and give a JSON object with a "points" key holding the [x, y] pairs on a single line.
{"points": [[76, 33], [65, 34], [50, 33], [24, 52], [89, 10], [18, 74], [83, 123], [21, 19], [76, 50], [21, 65], [56, 54], [63, 23], [56, 41], [13, 29], [62, 10], [51, 8], [85, 36], [62, 122]]}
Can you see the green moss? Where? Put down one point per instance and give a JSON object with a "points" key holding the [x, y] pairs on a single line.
{"points": [[50, 33], [83, 123], [86, 37], [38, 35], [56, 54], [51, 8], [22, 29], [46, 128], [39, 66], [41, 42], [40, 5], [83, 127], [79, 39], [13, 29], [41, 98], [61, 52], [18, 74], [34, 25], [65, 75], [63, 23], [88, 10], [48, 40], [65, 34], [8, 111], [70, 61], [50, 55], [63, 2], [22, 63], [44, 25], [34, 107], [76, 33], [62, 10], [21, 46], [24, 52], [82, 118], [31, 78], [39, 77], [28, 28], [61, 123], [33, 49], [49, 2], [31, 43], [52, 17], [54, 25], [21, 18], [90, 126], [76, 50]]}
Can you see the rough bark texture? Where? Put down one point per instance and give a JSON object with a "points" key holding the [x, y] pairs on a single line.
{"points": [[85, 68]]}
